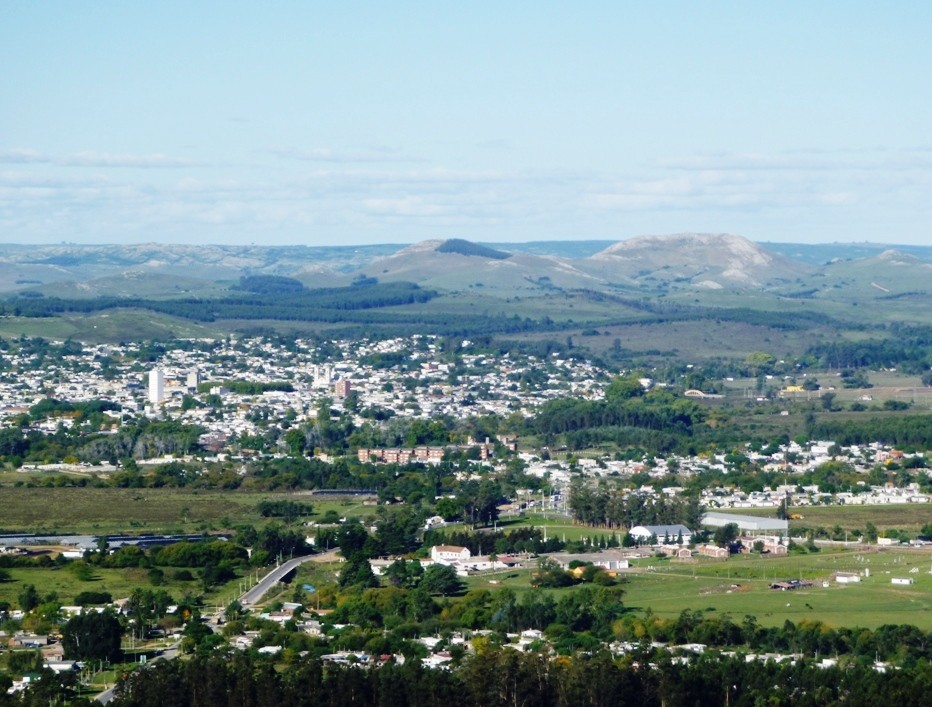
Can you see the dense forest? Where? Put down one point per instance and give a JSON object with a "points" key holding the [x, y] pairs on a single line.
{"points": [[909, 431], [910, 350], [261, 302], [361, 307], [655, 421], [504, 677]]}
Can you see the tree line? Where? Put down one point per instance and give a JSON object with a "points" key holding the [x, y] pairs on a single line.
{"points": [[613, 508], [909, 350], [500, 677]]}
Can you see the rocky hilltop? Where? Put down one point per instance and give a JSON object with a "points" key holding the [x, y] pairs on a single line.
{"points": [[698, 259]]}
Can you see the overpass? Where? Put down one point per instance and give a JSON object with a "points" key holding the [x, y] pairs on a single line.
{"points": [[254, 595]]}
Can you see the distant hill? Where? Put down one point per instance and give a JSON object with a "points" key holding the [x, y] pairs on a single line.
{"points": [[888, 275], [702, 260], [571, 250], [662, 291], [435, 264], [128, 283], [825, 253], [643, 265], [102, 267]]}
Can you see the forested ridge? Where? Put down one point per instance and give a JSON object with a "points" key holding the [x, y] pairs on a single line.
{"points": [[282, 303], [357, 308], [265, 297]]}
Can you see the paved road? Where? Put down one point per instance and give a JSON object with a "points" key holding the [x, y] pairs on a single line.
{"points": [[169, 653], [106, 696], [255, 594], [251, 597]]}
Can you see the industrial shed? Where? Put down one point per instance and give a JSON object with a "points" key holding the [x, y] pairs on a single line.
{"points": [[747, 524]]}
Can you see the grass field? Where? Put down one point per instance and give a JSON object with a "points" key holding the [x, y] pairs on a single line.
{"points": [[115, 510], [700, 339], [556, 526], [102, 510], [740, 586], [108, 327], [119, 582], [904, 516]]}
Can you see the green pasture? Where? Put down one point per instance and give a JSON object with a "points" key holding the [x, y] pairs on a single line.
{"points": [[109, 326], [909, 517], [557, 526], [741, 586], [700, 339], [63, 582], [146, 510], [112, 510]]}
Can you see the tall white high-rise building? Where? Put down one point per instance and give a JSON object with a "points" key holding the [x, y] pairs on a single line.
{"points": [[156, 386], [323, 375], [193, 379]]}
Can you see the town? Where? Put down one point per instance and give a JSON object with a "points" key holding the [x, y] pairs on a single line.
{"points": [[423, 475], [255, 390]]}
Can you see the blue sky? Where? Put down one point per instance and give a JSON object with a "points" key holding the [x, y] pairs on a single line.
{"points": [[327, 123]]}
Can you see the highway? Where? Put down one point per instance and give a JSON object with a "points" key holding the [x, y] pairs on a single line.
{"points": [[254, 595], [250, 598]]}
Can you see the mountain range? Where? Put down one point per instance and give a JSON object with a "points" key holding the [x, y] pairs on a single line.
{"points": [[679, 264]]}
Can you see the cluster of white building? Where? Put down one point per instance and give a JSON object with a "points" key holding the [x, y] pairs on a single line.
{"points": [[426, 384], [459, 558]]}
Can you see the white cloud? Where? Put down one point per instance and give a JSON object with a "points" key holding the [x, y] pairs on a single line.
{"points": [[95, 159], [807, 180], [104, 159], [329, 155], [334, 200], [837, 198], [405, 206], [22, 156], [800, 160], [694, 190]]}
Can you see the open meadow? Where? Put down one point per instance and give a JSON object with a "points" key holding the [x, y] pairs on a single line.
{"points": [[117, 510], [909, 517], [119, 583], [741, 585]]}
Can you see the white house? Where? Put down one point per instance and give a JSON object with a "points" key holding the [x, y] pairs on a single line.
{"points": [[446, 554], [434, 522]]}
